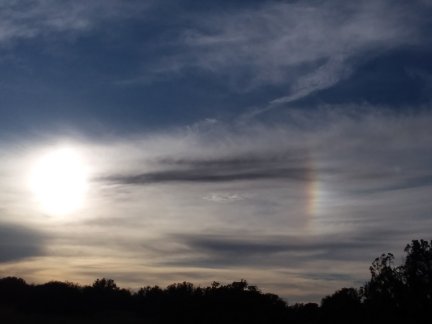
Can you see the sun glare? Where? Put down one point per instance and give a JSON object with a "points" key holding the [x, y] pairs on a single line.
{"points": [[59, 181]]}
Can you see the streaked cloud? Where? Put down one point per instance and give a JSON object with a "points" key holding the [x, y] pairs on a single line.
{"points": [[19, 242], [304, 46], [188, 178], [22, 19], [336, 188]]}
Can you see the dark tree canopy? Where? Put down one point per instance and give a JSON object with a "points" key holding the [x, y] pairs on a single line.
{"points": [[394, 294]]}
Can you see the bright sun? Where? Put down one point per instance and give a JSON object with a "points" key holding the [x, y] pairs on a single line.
{"points": [[59, 181]]}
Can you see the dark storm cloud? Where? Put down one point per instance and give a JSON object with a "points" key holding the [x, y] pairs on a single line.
{"points": [[18, 242]]}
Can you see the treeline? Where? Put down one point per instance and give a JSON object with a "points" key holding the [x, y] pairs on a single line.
{"points": [[394, 294]]}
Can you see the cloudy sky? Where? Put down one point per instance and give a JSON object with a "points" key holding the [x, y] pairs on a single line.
{"points": [[285, 142]]}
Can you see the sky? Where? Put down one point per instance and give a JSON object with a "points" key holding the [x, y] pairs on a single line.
{"points": [[284, 142]]}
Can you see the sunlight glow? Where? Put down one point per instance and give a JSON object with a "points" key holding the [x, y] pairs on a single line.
{"points": [[59, 181]]}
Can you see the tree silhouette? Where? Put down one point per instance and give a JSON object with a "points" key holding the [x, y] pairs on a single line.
{"points": [[403, 292], [105, 285], [418, 277], [394, 294], [344, 304], [13, 291], [386, 285]]}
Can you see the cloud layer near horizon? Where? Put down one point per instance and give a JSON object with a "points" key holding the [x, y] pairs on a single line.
{"points": [[206, 203]]}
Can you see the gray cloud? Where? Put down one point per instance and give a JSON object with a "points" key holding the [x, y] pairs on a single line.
{"points": [[327, 191], [18, 242], [210, 175], [231, 168], [289, 251], [362, 150]]}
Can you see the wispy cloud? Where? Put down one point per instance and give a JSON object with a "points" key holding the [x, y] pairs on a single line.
{"points": [[224, 197], [22, 19], [303, 46], [219, 170], [288, 251], [163, 205]]}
